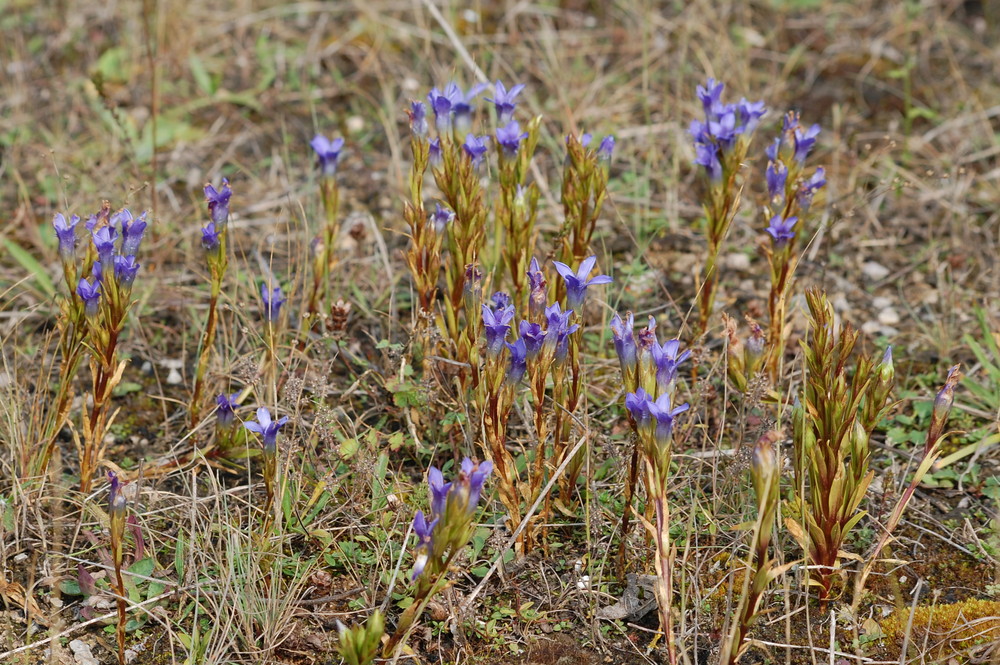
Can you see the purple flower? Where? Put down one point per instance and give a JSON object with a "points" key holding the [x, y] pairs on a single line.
{"points": [[434, 153], [218, 199], [226, 410], [558, 330], [267, 428], [886, 370], [536, 293], [533, 337], [441, 105], [273, 299], [750, 114], [496, 325], [809, 187], [418, 119], [210, 237], [66, 232], [500, 299], [97, 272], [707, 155], [441, 218], [577, 282], [584, 139], [772, 150], [104, 241], [126, 269], [90, 294], [666, 360], [663, 415], [425, 539], [503, 101], [710, 93], [453, 105], [781, 229], [776, 175], [607, 147], [804, 140], [327, 154], [646, 339], [472, 476], [116, 498], [475, 148], [91, 222], [132, 232], [637, 404], [509, 138], [624, 339], [439, 492], [518, 362]]}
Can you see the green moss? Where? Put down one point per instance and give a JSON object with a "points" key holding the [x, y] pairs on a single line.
{"points": [[946, 629]]}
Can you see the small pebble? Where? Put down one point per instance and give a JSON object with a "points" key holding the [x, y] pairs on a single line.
{"points": [[20, 557], [82, 654], [881, 302], [840, 303], [874, 271], [355, 124], [174, 377], [147, 368], [737, 261], [871, 327], [888, 317]]}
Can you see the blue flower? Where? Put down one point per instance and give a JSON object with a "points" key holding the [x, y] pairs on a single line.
{"points": [[210, 237], [327, 154], [518, 362], [666, 359], [606, 149], [425, 538], [558, 330], [218, 201], [475, 148], [418, 119], [453, 106], [776, 176], [126, 269], [710, 93], [66, 233], [266, 428], [624, 339], [637, 404], [533, 337], [500, 300], [90, 294], [503, 101], [273, 299], [471, 478], [104, 241], [536, 288], [653, 417], [116, 498], [804, 140], [132, 232], [809, 187], [226, 410], [434, 153], [439, 492], [781, 229], [441, 218], [496, 325], [509, 138], [577, 282]]}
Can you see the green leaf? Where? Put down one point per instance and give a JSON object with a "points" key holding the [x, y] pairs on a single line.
{"points": [[201, 76], [28, 262], [143, 567], [70, 588]]}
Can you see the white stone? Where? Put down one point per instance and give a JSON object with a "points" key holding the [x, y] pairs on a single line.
{"points": [[871, 327], [737, 261], [82, 654], [840, 303], [874, 271], [881, 302], [888, 316], [355, 124], [174, 377]]}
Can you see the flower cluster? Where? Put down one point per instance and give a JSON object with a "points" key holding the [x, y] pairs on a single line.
{"points": [[453, 505], [724, 126], [115, 243]]}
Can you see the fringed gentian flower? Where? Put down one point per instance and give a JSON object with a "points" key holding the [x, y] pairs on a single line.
{"points": [[503, 101], [533, 337], [654, 416], [425, 535], [776, 176], [781, 229], [536, 285], [577, 282], [90, 294], [273, 299], [518, 362], [471, 480], [441, 218], [497, 325], [218, 201], [126, 269], [418, 119], [624, 339], [715, 138], [226, 411], [475, 148], [666, 359], [606, 149], [558, 331], [434, 153], [66, 232], [104, 242], [132, 231], [266, 428], [210, 237], [809, 187], [327, 154], [439, 491], [805, 139], [509, 138]]}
